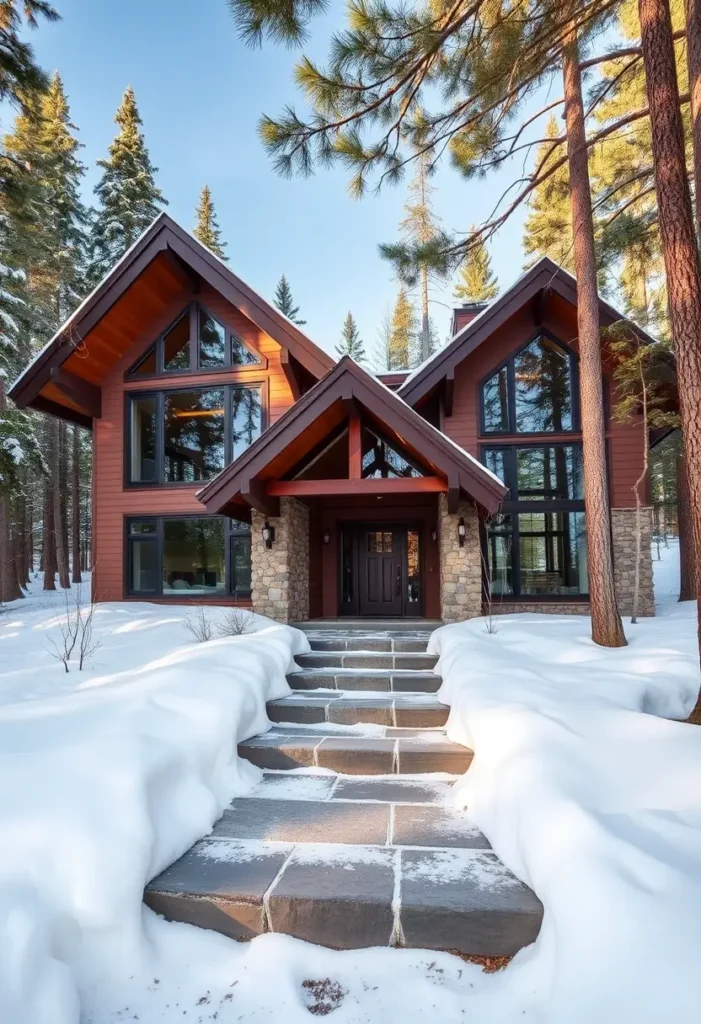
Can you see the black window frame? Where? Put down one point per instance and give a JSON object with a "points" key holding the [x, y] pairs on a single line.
{"points": [[234, 532], [508, 363], [228, 388], [512, 506], [194, 310]]}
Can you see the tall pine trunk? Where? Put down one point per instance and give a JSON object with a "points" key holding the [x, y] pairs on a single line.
{"points": [[606, 625], [75, 518], [687, 555], [9, 589], [676, 225], [692, 11], [59, 533]]}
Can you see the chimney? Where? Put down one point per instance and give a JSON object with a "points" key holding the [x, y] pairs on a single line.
{"points": [[465, 314]]}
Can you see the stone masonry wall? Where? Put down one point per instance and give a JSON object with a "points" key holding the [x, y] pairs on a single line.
{"points": [[623, 534], [461, 567], [280, 575]]}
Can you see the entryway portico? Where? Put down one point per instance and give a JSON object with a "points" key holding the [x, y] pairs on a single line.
{"points": [[359, 507]]}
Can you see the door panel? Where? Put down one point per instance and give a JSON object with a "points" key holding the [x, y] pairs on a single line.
{"points": [[381, 571]]}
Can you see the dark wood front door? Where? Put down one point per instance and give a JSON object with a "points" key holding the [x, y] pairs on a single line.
{"points": [[381, 570]]}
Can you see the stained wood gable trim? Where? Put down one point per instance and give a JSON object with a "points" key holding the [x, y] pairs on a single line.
{"points": [[544, 277], [349, 383]]}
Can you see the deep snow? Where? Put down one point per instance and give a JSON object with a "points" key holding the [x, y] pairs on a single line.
{"points": [[109, 775]]}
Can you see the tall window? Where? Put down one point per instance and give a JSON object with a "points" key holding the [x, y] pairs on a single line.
{"points": [[206, 556], [196, 341], [188, 436], [534, 393], [536, 546]]}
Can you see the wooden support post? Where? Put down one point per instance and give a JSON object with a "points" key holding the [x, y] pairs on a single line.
{"points": [[355, 448]]}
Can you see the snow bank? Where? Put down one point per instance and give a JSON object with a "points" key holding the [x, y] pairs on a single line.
{"points": [[592, 800], [109, 780]]}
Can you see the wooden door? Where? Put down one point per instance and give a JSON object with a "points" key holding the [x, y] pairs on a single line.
{"points": [[381, 570]]}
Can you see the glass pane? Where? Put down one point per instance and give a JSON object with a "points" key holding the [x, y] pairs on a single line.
{"points": [[413, 567], [176, 345], [142, 467], [494, 396], [142, 526], [380, 542], [194, 435], [552, 547], [144, 566], [543, 388], [241, 355], [193, 557], [495, 460], [549, 473], [212, 341], [147, 366], [499, 555], [381, 460], [346, 568], [246, 419], [240, 564]]}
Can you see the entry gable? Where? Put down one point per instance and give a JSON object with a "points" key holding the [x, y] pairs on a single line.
{"points": [[164, 263], [349, 435]]}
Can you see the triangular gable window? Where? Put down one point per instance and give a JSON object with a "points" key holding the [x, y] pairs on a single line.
{"points": [[196, 341], [381, 460]]}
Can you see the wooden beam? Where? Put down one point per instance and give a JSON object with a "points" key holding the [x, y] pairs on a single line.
{"points": [[448, 389], [289, 368], [85, 394], [453, 490], [542, 300], [355, 447], [254, 495], [393, 485]]}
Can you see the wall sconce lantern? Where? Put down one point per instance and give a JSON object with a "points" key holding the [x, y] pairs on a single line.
{"points": [[268, 533], [461, 532], [327, 537], [434, 535]]}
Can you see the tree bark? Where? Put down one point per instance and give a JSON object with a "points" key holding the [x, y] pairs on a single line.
{"points": [[687, 555], [59, 537], [9, 589], [676, 225], [607, 628], [75, 519], [692, 12]]}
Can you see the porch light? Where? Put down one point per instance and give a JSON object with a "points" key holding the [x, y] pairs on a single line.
{"points": [[434, 535], [268, 533], [461, 532], [327, 537]]}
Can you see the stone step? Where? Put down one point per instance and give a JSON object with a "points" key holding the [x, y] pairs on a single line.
{"points": [[367, 660], [418, 711], [348, 642], [349, 874], [395, 751], [383, 681]]}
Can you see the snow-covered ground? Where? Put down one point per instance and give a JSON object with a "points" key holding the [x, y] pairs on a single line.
{"points": [[109, 774]]}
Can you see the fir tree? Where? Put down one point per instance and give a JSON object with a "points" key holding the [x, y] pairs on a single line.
{"points": [[402, 333], [420, 226], [548, 227], [351, 343], [207, 229], [285, 303], [476, 283], [129, 199]]}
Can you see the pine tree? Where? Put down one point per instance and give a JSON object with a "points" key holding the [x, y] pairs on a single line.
{"points": [[477, 283], [285, 303], [548, 227], [351, 343], [402, 333], [420, 225], [129, 198], [207, 229]]}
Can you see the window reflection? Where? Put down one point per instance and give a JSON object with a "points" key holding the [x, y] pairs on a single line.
{"points": [[380, 460], [495, 399], [176, 345], [194, 435], [212, 341], [193, 557], [246, 419], [543, 397]]}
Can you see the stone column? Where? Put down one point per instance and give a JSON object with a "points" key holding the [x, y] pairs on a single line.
{"points": [[280, 574], [461, 567], [623, 535]]}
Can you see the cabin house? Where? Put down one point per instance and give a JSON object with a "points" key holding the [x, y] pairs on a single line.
{"points": [[237, 462]]}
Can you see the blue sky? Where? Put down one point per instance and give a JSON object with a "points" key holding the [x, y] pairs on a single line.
{"points": [[201, 92]]}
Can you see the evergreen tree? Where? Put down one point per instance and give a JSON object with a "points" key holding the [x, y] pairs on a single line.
{"points": [[548, 227], [402, 333], [477, 283], [129, 199], [420, 226], [351, 343], [207, 229], [285, 303]]}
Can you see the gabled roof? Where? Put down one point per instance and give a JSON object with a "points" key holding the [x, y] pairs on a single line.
{"points": [[324, 407], [543, 276], [165, 240]]}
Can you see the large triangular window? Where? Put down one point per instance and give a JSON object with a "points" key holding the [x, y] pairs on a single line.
{"points": [[381, 460]]}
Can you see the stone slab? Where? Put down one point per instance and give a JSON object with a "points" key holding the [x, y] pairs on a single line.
{"points": [[340, 900], [415, 682], [303, 821], [293, 786], [380, 681], [311, 681], [467, 901], [437, 827], [280, 751], [392, 790], [420, 756], [350, 712], [356, 756]]}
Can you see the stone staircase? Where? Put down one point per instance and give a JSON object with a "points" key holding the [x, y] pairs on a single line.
{"points": [[351, 840]]}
